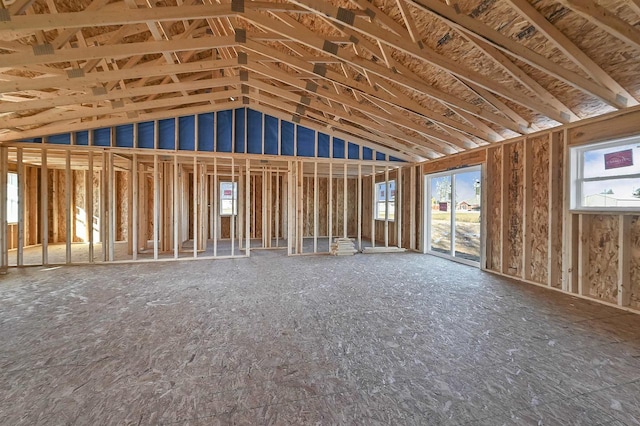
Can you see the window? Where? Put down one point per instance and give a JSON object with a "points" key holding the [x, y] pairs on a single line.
{"points": [[606, 176], [12, 198], [228, 198], [385, 196]]}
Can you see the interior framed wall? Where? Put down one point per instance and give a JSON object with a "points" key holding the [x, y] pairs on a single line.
{"points": [[532, 235]]}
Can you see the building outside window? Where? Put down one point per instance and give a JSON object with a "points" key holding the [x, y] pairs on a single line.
{"points": [[385, 197], [228, 198], [606, 176]]}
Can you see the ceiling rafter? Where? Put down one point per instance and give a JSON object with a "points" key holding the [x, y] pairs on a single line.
{"points": [[413, 84], [570, 50], [368, 69], [469, 25], [606, 20], [431, 57]]}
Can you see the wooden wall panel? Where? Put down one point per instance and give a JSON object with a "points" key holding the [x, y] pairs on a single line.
{"points": [[122, 205], [494, 208], [513, 213], [635, 262], [538, 211], [352, 207], [557, 209], [323, 208], [602, 252], [148, 181], [406, 207]]}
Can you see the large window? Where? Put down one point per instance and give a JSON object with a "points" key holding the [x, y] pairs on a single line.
{"points": [[228, 198], [606, 176], [12, 198], [385, 200]]}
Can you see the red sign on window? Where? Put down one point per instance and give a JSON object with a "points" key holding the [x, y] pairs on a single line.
{"points": [[227, 193], [614, 160], [443, 207]]}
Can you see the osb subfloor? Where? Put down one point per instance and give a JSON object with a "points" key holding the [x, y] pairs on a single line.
{"points": [[368, 339]]}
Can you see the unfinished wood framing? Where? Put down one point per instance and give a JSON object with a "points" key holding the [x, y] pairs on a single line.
{"points": [[126, 122]]}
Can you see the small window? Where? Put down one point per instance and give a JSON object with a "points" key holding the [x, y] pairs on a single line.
{"points": [[12, 198], [606, 176], [228, 198], [385, 197]]}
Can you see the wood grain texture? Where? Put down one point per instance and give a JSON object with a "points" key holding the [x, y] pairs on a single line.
{"points": [[538, 226], [494, 216], [602, 252]]}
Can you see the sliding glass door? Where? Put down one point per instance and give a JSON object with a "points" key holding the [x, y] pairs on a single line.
{"points": [[453, 214]]}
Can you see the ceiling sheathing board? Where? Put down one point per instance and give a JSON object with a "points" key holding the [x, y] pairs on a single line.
{"points": [[598, 47]]}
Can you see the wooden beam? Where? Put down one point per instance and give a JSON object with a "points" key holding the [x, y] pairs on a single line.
{"points": [[89, 204], [573, 52], [116, 51], [21, 207], [60, 101], [70, 212], [94, 112], [123, 15], [604, 19], [44, 207], [470, 25], [426, 55]]}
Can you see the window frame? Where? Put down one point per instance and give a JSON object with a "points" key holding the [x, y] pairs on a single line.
{"points": [[577, 179], [234, 198], [387, 201]]}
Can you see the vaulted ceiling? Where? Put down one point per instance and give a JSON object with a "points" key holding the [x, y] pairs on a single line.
{"points": [[425, 78]]}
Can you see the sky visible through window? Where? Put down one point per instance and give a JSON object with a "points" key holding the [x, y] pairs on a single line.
{"points": [[594, 166]]}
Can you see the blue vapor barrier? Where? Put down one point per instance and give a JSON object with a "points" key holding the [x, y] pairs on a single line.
{"points": [[102, 137], [124, 136], [205, 132], [286, 138], [145, 135], [270, 135], [254, 132], [241, 130], [187, 133], [338, 148], [367, 153], [82, 138], [353, 151], [64, 139], [306, 142], [167, 134], [224, 121], [323, 145]]}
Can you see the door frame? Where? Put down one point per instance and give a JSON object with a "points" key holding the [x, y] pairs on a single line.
{"points": [[427, 215]]}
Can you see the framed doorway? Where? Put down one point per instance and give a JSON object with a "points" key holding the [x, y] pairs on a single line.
{"points": [[453, 215]]}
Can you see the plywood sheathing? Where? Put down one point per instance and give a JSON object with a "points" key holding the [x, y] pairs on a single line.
{"points": [[494, 209], [513, 179], [122, 205], [602, 252], [538, 212], [635, 262], [557, 207]]}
